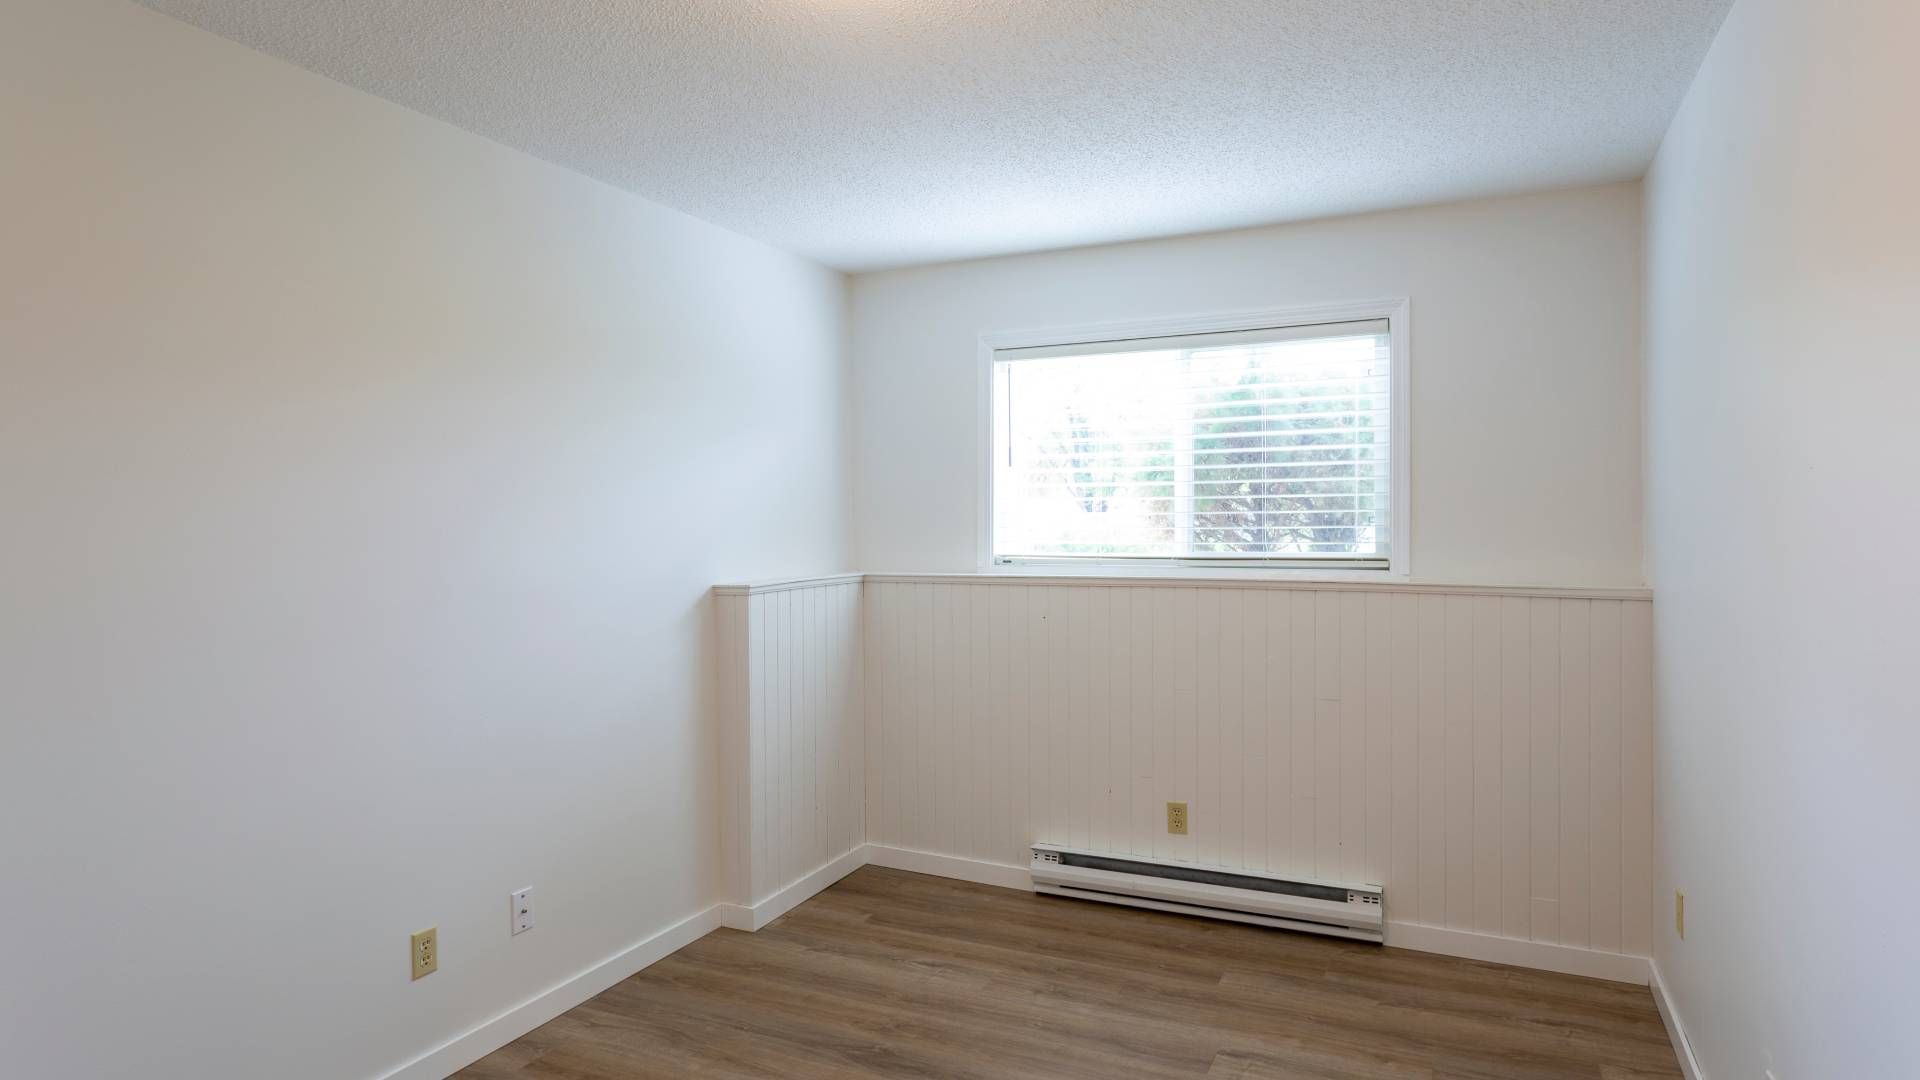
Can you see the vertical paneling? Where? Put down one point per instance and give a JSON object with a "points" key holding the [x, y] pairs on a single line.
{"points": [[1636, 777], [980, 721], [1255, 790], [730, 660], [1120, 719], [1576, 687], [940, 772], [1078, 758], [765, 785], [1326, 736], [1431, 896], [806, 769], [1516, 787], [1204, 810], [924, 792], [1163, 723], [1097, 807], [1303, 751], [1604, 793], [1486, 757], [1020, 748], [794, 683], [846, 681], [1459, 779], [1379, 717], [1351, 722], [1000, 762], [1487, 765], [1142, 703], [1063, 751], [1280, 742], [1185, 711], [1544, 768], [870, 803], [885, 826], [1405, 660], [1230, 747]]}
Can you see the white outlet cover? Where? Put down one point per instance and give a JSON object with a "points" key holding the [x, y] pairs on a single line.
{"points": [[522, 910]]}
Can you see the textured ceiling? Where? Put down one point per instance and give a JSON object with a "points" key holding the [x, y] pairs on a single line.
{"points": [[874, 133]]}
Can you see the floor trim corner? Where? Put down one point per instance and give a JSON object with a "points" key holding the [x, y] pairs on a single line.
{"points": [[796, 893]]}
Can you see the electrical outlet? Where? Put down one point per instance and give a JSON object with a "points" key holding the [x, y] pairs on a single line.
{"points": [[1680, 914], [425, 948], [522, 909], [1177, 818]]}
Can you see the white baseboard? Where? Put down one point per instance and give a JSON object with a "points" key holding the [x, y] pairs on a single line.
{"points": [[472, 1045], [950, 866], [742, 917], [1669, 1015], [1565, 959], [1531, 954]]}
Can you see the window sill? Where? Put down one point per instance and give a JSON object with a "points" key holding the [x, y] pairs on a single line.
{"points": [[1310, 580], [1122, 571]]}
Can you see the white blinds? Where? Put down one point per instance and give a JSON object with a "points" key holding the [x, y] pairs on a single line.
{"points": [[1262, 445]]}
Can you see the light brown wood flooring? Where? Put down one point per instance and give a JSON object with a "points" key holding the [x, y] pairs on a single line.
{"points": [[891, 974]]}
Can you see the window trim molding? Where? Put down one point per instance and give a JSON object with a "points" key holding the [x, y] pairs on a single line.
{"points": [[1398, 311]]}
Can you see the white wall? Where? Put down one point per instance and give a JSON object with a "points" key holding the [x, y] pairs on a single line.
{"points": [[364, 482], [1784, 277], [1526, 391]]}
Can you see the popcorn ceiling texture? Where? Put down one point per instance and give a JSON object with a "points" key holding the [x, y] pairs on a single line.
{"points": [[875, 133]]}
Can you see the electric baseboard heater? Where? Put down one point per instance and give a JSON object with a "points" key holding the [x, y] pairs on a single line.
{"points": [[1317, 907]]}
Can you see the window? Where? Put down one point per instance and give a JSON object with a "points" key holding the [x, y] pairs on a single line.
{"points": [[1270, 446]]}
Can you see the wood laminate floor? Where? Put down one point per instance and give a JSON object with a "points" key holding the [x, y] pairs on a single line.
{"points": [[891, 974]]}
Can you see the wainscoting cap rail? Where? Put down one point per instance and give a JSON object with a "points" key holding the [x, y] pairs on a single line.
{"points": [[1309, 584], [1213, 581], [754, 588]]}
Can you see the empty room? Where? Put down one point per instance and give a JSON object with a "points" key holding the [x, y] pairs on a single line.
{"points": [[987, 539]]}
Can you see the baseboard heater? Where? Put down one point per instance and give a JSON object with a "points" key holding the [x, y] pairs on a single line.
{"points": [[1317, 907]]}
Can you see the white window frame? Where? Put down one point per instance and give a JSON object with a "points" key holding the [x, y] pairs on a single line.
{"points": [[1398, 313]]}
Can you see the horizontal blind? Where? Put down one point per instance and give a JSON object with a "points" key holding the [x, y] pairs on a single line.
{"points": [[1269, 446]]}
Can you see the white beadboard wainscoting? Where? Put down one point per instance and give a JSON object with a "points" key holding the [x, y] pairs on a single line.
{"points": [[1485, 753], [792, 759]]}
